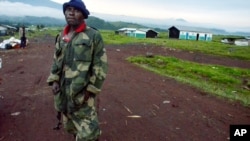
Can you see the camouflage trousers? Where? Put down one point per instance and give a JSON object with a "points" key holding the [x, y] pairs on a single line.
{"points": [[83, 123]]}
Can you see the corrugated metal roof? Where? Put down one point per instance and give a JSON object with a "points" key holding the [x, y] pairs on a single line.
{"points": [[146, 29], [193, 29], [127, 29], [3, 28], [9, 27]]}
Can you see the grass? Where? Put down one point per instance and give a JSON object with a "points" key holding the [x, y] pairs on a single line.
{"points": [[214, 79], [218, 80], [214, 47]]}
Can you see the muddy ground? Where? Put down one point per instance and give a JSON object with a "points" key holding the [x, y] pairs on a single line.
{"points": [[167, 110]]}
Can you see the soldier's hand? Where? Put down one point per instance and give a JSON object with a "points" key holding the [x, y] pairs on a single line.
{"points": [[55, 88], [86, 96]]}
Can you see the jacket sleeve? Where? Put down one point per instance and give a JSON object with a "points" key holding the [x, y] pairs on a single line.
{"points": [[55, 69], [99, 65]]}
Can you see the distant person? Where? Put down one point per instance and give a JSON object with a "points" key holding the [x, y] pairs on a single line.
{"points": [[23, 38], [78, 71]]}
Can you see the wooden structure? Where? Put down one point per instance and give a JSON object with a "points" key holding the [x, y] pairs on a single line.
{"points": [[190, 33]]}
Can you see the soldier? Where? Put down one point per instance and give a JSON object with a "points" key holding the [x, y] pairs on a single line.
{"points": [[78, 71], [23, 38]]}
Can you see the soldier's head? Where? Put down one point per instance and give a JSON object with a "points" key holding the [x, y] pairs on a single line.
{"points": [[75, 11], [77, 4]]}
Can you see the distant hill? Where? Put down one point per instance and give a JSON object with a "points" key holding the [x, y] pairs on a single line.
{"points": [[101, 24], [31, 20], [97, 23], [48, 21], [111, 22]]}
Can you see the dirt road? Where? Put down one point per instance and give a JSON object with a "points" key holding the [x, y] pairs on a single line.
{"points": [[135, 105]]}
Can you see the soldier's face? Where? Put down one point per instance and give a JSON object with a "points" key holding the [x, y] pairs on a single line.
{"points": [[73, 16]]}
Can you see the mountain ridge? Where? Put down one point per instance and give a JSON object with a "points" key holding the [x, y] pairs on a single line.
{"points": [[97, 23], [148, 22]]}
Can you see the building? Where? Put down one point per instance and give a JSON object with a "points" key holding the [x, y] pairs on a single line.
{"points": [[238, 41], [190, 33], [3, 31], [125, 31], [7, 30], [149, 32], [138, 33], [131, 32]]}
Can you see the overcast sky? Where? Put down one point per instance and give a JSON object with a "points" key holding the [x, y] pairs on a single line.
{"points": [[225, 12], [229, 13], [21, 9]]}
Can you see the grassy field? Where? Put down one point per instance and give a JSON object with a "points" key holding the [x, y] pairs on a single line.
{"points": [[214, 47], [214, 79], [218, 80]]}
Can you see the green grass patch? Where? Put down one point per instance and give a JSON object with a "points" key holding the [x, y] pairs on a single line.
{"points": [[214, 47], [214, 79]]}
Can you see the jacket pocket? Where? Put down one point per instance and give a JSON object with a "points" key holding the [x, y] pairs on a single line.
{"points": [[82, 51]]}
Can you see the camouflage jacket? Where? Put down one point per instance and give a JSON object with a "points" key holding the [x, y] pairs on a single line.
{"points": [[80, 63]]}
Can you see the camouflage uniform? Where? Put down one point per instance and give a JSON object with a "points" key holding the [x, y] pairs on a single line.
{"points": [[79, 65]]}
